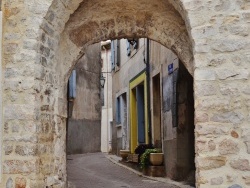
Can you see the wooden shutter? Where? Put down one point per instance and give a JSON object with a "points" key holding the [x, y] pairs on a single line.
{"points": [[118, 52], [72, 85], [112, 54]]}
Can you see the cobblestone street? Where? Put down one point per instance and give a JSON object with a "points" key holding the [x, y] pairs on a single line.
{"points": [[96, 171]]}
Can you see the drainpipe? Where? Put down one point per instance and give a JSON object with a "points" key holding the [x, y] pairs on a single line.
{"points": [[148, 93]]}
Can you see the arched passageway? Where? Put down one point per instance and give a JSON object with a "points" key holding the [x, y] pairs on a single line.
{"points": [[54, 35]]}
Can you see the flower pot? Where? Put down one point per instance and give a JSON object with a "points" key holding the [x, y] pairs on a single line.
{"points": [[124, 154], [156, 159]]}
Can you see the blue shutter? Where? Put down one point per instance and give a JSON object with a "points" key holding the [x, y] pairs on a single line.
{"points": [[72, 85], [112, 55]]}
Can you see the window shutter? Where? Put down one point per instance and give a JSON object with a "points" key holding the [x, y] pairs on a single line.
{"points": [[112, 55], [118, 52], [72, 85], [136, 44], [128, 49]]}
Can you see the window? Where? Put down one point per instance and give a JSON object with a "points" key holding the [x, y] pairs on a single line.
{"points": [[132, 46], [118, 110]]}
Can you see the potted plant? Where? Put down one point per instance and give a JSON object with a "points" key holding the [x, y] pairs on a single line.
{"points": [[140, 149], [124, 154], [145, 157], [156, 159]]}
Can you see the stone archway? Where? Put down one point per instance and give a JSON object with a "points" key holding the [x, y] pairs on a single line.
{"points": [[204, 34]]}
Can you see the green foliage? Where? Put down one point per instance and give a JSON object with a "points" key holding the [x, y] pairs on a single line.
{"points": [[144, 159]]}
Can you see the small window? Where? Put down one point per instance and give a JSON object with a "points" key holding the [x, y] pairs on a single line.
{"points": [[132, 46], [118, 110]]}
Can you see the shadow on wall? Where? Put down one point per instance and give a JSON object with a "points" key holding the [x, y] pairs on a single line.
{"points": [[84, 111], [179, 151]]}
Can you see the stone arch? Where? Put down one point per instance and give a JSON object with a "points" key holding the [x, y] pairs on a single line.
{"points": [[89, 24], [84, 27], [215, 35]]}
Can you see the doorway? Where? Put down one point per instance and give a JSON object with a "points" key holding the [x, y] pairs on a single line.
{"points": [[157, 140]]}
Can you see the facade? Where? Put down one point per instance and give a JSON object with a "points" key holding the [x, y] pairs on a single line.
{"points": [[107, 115], [124, 69], [154, 104], [43, 40], [84, 105]]}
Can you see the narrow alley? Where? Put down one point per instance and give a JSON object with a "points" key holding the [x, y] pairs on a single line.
{"points": [[96, 171]]}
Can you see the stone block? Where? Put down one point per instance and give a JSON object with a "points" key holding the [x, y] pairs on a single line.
{"points": [[236, 74], [212, 129], [201, 117], [235, 186], [8, 148], [11, 48], [219, 104], [10, 183], [211, 145], [229, 45], [20, 182], [216, 181], [23, 138], [19, 111], [204, 74], [27, 150], [231, 89], [234, 134], [228, 146], [228, 117], [19, 166], [208, 163], [205, 89], [240, 164], [247, 180]]}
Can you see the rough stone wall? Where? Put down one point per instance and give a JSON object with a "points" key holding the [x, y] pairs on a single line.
{"points": [[1, 97], [220, 32], [86, 107], [40, 49]]}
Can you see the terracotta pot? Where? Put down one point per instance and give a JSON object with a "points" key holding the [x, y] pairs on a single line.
{"points": [[124, 154], [156, 159]]}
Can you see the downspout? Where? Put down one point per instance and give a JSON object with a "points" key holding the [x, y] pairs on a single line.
{"points": [[148, 93]]}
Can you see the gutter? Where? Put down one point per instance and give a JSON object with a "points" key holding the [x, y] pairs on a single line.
{"points": [[148, 92]]}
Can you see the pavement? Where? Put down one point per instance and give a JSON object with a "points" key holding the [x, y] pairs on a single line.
{"points": [[98, 170]]}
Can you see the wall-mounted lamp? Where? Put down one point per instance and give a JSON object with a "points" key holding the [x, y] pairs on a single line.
{"points": [[102, 81]]}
